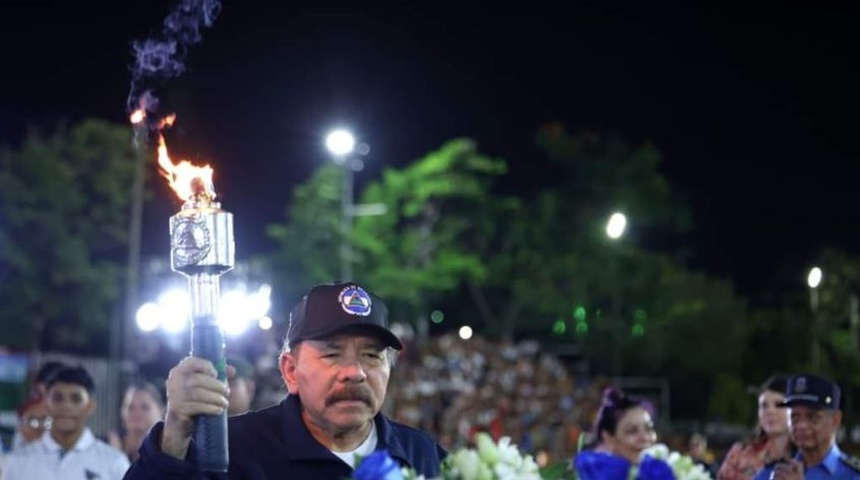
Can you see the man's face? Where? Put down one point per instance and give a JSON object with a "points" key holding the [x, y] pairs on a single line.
{"points": [[341, 380], [69, 405], [813, 429]]}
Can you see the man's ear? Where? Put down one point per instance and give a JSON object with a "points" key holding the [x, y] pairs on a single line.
{"points": [[287, 364], [91, 406], [837, 418]]}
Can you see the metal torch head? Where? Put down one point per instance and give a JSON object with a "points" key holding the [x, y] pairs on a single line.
{"points": [[201, 239]]}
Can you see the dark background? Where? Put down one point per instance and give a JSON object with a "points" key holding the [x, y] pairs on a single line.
{"points": [[754, 107]]}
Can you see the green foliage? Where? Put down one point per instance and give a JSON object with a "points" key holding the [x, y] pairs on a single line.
{"points": [[419, 248], [309, 239], [835, 324], [64, 202]]}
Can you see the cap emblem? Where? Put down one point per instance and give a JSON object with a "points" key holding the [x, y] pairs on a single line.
{"points": [[800, 385], [355, 301]]}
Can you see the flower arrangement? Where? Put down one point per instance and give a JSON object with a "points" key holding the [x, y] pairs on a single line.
{"points": [[683, 466], [488, 461]]}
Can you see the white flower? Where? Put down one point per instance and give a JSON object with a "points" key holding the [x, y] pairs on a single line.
{"points": [[682, 465], [491, 461]]}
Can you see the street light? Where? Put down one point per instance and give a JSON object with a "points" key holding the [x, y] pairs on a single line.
{"points": [[341, 143], [814, 281], [616, 225], [615, 228]]}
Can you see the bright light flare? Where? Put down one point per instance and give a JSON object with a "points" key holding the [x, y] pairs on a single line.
{"points": [[814, 277], [340, 142], [148, 317], [616, 225], [176, 310], [465, 332], [266, 323]]}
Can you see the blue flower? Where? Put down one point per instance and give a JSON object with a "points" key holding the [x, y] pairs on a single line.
{"points": [[378, 466], [591, 465], [651, 468]]}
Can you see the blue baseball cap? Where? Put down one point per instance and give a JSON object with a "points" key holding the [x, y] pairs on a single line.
{"points": [[811, 391]]}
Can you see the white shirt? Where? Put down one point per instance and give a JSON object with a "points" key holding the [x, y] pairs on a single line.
{"points": [[366, 448], [44, 459]]}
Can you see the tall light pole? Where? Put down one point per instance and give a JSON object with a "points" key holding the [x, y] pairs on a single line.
{"points": [[341, 143], [814, 281], [615, 228]]}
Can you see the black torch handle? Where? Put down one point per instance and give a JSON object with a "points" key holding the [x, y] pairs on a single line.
{"points": [[210, 431]]}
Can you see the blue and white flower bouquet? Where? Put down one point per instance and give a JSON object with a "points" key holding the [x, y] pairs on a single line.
{"points": [[683, 466], [490, 460]]}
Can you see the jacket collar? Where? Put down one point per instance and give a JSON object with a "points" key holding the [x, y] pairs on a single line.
{"points": [[84, 441]]}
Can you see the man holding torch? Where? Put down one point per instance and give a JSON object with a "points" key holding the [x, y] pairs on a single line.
{"points": [[335, 362]]}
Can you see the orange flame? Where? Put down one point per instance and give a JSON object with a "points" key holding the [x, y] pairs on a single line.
{"points": [[190, 182]]}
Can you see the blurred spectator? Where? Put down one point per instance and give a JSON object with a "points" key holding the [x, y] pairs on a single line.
{"points": [[37, 390], [770, 440], [697, 449], [70, 448], [243, 386], [453, 388], [624, 429], [45, 372], [33, 420], [142, 407]]}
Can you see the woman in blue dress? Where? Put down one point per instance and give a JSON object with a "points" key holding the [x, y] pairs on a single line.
{"points": [[622, 432]]}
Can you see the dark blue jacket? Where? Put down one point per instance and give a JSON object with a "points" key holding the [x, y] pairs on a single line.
{"points": [[274, 443]]}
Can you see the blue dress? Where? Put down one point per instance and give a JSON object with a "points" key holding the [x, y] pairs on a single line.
{"points": [[591, 465]]}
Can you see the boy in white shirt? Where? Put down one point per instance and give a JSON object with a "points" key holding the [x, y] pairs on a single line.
{"points": [[69, 451]]}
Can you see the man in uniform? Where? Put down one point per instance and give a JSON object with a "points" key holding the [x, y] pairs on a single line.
{"points": [[814, 418]]}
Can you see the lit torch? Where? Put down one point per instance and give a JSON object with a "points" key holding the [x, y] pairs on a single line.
{"points": [[202, 249]]}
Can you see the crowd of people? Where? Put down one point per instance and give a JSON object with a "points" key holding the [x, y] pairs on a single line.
{"points": [[349, 386]]}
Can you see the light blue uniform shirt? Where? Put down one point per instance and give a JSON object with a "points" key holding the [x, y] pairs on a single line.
{"points": [[832, 467]]}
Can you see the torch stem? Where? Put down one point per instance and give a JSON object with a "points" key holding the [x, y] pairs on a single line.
{"points": [[207, 341], [205, 289]]}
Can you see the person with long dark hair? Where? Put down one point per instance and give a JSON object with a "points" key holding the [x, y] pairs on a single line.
{"points": [[142, 407], [770, 440], [622, 431]]}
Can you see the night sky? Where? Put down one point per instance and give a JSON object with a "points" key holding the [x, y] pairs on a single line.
{"points": [[754, 108]]}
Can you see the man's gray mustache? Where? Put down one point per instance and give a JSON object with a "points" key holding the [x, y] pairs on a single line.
{"points": [[350, 393]]}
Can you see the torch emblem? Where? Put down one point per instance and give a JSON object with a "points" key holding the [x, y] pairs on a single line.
{"points": [[191, 239]]}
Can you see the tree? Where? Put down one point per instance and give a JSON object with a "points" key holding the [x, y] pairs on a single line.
{"points": [[835, 321], [64, 202], [630, 306], [308, 241], [414, 251], [546, 249], [417, 250]]}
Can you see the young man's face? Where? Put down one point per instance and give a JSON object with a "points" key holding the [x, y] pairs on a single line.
{"points": [[69, 405], [341, 381]]}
